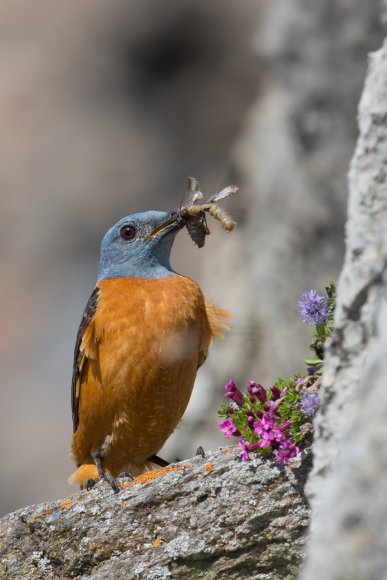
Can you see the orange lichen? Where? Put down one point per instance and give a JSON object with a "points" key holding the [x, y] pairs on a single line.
{"points": [[157, 543], [66, 504], [227, 450], [149, 476], [208, 468]]}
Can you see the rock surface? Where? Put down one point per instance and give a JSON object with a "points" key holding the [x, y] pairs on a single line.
{"points": [[349, 481], [105, 108], [212, 517]]}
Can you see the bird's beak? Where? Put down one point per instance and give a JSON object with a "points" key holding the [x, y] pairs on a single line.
{"points": [[173, 222]]}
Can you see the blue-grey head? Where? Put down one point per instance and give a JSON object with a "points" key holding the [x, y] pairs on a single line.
{"points": [[139, 246]]}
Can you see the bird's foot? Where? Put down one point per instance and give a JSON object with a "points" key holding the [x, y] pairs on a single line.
{"points": [[90, 483], [200, 451], [106, 475], [125, 474], [111, 481]]}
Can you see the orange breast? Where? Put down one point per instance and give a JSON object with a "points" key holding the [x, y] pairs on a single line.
{"points": [[147, 339]]}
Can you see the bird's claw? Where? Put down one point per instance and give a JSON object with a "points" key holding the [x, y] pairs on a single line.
{"points": [[112, 482], [125, 474]]}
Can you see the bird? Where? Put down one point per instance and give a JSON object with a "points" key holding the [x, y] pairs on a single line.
{"points": [[144, 333]]}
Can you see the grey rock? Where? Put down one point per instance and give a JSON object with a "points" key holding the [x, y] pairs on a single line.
{"points": [[349, 480], [212, 518], [107, 106]]}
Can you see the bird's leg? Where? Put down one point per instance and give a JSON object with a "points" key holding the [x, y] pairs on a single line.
{"points": [[98, 463], [107, 476], [112, 482]]}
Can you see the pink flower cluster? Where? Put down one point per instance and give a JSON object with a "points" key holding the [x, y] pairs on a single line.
{"points": [[264, 424], [229, 429]]}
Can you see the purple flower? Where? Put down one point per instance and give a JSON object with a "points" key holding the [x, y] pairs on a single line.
{"points": [[271, 409], [250, 419], [285, 426], [229, 429], [246, 449], [233, 393], [230, 385], [276, 393], [267, 439], [245, 454], [313, 308], [256, 391], [268, 432], [309, 405], [288, 449], [265, 424]]}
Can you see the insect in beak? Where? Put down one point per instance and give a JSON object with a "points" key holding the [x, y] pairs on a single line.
{"points": [[193, 214]]}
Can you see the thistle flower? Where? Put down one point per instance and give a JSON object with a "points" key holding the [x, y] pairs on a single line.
{"points": [[228, 428], [313, 308], [309, 405]]}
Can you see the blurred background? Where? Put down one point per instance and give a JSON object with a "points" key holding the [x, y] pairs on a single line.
{"points": [[105, 108]]}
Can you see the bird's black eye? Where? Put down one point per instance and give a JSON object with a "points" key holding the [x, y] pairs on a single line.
{"points": [[128, 232]]}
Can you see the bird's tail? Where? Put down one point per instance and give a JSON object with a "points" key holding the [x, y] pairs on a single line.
{"points": [[82, 475]]}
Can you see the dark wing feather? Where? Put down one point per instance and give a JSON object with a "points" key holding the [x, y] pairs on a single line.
{"points": [[88, 314]]}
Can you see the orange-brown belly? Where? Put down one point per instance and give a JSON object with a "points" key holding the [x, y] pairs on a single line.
{"points": [[151, 335]]}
